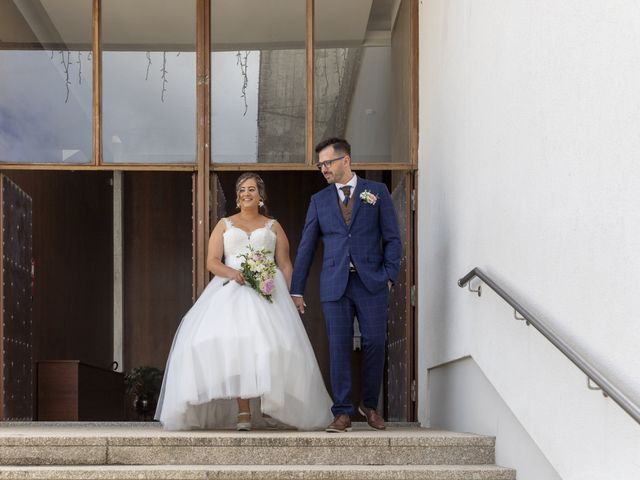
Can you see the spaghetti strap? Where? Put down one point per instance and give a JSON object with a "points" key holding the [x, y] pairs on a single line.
{"points": [[270, 223]]}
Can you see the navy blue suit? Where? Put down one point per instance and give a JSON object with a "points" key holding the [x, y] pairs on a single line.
{"points": [[371, 242]]}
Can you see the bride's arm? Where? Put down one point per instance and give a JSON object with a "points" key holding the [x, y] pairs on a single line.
{"points": [[282, 253], [215, 254]]}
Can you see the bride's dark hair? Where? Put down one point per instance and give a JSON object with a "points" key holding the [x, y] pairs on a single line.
{"points": [[262, 190]]}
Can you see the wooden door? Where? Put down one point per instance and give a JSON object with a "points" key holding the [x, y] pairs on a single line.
{"points": [[16, 348], [399, 384]]}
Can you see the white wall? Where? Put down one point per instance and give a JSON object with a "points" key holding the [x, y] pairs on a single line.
{"points": [[462, 399], [529, 168]]}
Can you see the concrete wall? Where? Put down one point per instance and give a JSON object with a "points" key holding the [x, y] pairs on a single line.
{"points": [[528, 168], [368, 124]]}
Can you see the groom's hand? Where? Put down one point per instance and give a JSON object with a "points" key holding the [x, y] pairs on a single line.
{"points": [[299, 303]]}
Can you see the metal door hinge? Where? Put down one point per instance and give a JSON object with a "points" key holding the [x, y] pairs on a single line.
{"points": [[413, 295], [413, 200], [413, 390]]}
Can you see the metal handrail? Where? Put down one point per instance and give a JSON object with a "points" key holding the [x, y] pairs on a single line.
{"points": [[593, 375]]}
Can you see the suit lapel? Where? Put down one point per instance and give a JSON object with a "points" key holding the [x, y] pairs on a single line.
{"points": [[355, 198]]}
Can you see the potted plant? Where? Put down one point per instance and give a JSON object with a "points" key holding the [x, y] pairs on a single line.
{"points": [[144, 383]]}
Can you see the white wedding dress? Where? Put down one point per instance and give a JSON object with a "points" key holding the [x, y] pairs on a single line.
{"points": [[234, 343]]}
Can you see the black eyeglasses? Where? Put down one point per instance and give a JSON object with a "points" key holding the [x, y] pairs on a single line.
{"points": [[327, 163]]}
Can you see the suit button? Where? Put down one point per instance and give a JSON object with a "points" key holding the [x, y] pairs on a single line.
{"points": [[349, 235]]}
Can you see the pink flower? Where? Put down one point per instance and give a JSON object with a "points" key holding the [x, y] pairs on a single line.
{"points": [[267, 286]]}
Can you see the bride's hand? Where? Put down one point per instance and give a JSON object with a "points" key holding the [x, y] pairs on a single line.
{"points": [[237, 277]]}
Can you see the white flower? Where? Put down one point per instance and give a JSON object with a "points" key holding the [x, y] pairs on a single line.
{"points": [[368, 197]]}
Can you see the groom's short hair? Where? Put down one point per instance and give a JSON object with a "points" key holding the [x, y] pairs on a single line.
{"points": [[338, 144]]}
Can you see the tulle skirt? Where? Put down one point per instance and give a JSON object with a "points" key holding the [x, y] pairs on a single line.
{"points": [[233, 343]]}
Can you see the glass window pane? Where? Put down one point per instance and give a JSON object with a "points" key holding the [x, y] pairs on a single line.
{"points": [[46, 82], [258, 81], [362, 77], [149, 81]]}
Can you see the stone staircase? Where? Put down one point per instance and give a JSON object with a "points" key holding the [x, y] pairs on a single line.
{"points": [[134, 451]]}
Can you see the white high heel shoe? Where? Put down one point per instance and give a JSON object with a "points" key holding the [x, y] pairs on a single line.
{"points": [[244, 426]]}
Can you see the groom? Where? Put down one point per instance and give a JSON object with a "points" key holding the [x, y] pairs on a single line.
{"points": [[357, 223]]}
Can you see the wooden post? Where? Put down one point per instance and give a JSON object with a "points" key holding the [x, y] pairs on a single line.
{"points": [[310, 116], [97, 82], [202, 207]]}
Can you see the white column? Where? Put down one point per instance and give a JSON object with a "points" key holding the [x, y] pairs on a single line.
{"points": [[117, 269]]}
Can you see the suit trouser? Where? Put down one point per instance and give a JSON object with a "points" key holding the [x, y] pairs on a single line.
{"points": [[371, 310]]}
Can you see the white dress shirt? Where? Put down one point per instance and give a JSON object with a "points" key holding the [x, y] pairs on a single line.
{"points": [[352, 183]]}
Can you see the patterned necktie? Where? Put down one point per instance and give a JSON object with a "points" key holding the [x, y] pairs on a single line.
{"points": [[347, 192]]}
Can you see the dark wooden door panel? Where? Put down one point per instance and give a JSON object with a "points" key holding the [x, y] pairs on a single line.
{"points": [[16, 361], [158, 276], [399, 375]]}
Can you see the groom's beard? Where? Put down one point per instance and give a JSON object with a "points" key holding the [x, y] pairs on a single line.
{"points": [[334, 176]]}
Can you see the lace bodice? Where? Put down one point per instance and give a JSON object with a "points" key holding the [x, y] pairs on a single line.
{"points": [[237, 241]]}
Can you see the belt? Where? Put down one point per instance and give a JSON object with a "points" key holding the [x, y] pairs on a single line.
{"points": [[352, 269]]}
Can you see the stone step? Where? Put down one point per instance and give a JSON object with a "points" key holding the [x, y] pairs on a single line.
{"points": [[263, 472], [146, 446]]}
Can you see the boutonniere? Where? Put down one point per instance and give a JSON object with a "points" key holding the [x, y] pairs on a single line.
{"points": [[368, 197]]}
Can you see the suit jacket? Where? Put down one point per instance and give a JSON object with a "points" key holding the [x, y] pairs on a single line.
{"points": [[371, 241]]}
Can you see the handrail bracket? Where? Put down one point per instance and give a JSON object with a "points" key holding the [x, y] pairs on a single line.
{"points": [[592, 386], [477, 290]]}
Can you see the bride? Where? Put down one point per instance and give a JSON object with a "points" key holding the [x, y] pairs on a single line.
{"points": [[238, 359]]}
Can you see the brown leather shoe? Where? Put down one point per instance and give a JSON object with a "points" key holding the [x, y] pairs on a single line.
{"points": [[341, 423], [374, 419]]}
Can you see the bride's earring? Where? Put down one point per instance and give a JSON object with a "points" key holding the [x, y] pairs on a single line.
{"points": [[237, 204], [261, 204]]}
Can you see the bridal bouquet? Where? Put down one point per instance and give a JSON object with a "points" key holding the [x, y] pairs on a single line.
{"points": [[259, 271]]}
